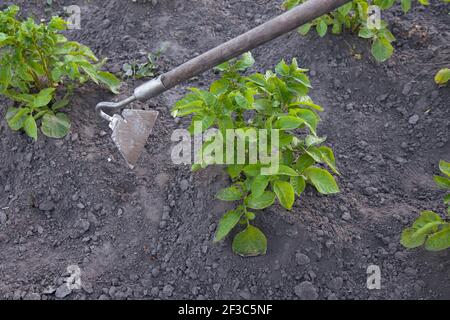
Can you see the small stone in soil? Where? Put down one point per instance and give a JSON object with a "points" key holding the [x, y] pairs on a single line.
{"points": [[47, 205], [302, 259], [414, 119], [3, 217], [63, 291], [306, 291]]}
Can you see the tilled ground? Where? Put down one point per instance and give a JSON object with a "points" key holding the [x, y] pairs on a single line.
{"points": [[148, 233]]}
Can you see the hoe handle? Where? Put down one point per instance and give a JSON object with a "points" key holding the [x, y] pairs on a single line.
{"points": [[266, 32]]}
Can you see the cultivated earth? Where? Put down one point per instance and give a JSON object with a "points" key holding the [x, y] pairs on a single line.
{"points": [[147, 233]]}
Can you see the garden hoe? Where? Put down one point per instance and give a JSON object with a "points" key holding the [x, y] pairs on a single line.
{"points": [[132, 129]]}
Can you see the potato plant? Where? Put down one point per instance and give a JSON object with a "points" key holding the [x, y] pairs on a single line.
{"points": [[354, 16], [442, 77], [430, 229], [272, 101], [35, 61]]}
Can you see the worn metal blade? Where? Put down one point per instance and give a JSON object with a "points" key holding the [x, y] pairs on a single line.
{"points": [[131, 132]]}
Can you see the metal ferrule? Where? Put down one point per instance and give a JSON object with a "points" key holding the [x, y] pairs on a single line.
{"points": [[149, 89]]}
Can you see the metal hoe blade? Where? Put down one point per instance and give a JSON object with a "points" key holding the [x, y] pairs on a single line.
{"points": [[131, 132]]}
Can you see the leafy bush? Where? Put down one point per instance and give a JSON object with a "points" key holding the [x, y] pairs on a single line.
{"points": [[354, 16], [35, 61], [272, 101], [430, 229]]}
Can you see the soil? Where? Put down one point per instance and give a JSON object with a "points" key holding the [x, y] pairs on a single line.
{"points": [[147, 233]]}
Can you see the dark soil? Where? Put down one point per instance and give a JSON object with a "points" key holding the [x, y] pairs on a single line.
{"points": [[148, 233]]}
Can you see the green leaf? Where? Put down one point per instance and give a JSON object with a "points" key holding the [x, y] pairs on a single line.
{"points": [[55, 126], [60, 104], [109, 80], [366, 33], [426, 224], [442, 182], [235, 170], [282, 68], [382, 49], [230, 194], [30, 127], [15, 117], [439, 241], [44, 97], [447, 199], [259, 186], [289, 4], [321, 28], [312, 140], [285, 193], [286, 171], [220, 86], [182, 110], [250, 216], [262, 202], [309, 116], [5, 77], [289, 123], [252, 170], [322, 180], [406, 5], [442, 77], [245, 62], [304, 162], [304, 29], [299, 184], [227, 223], [444, 167], [328, 158], [250, 243]]}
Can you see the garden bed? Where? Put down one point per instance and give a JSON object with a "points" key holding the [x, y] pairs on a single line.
{"points": [[148, 233]]}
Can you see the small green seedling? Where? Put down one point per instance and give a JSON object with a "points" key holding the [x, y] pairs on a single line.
{"points": [[37, 61], [355, 16], [138, 70], [272, 101], [430, 229], [442, 77]]}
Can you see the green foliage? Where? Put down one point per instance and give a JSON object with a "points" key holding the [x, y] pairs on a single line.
{"points": [[442, 77], [354, 16], [430, 229], [138, 70], [275, 100], [36, 60]]}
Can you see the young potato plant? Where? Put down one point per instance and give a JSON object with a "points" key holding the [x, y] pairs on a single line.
{"points": [[442, 77], [354, 16], [276, 101], [138, 70], [430, 229], [35, 61]]}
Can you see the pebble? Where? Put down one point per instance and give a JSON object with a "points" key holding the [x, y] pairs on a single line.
{"points": [[407, 88], [245, 294], [33, 296], [184, 185], [346, 216], [168, 290], [63, 291], [3, 217], [414, 119], [47, 205], [302, 259], [306, 291], [216, 287], [336, 283]]}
